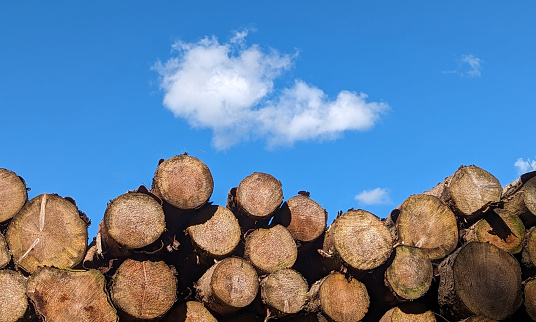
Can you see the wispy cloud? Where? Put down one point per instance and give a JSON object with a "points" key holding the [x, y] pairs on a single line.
{"points": [[229, 88], [469, 66], [377, 196], [525, 165]]}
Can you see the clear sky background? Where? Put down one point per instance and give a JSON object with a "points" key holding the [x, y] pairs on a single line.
{"points": [[361, 103]]}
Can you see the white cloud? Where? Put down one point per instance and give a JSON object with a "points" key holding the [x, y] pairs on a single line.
{"points": [[229, 88], [377, 196], [469, 66], [525, 165]]}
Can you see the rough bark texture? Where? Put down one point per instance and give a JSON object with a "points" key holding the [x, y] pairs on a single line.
{"points": [[519, 198], [408, 313], [66, 295], [529, 248], [425, 222], [284, 292], [479, 279], [228, 285], [502, 230], [183, 181], [215, 231], [410, 274], [134, 220], [304, 218], [144, 290], [5, 256], [48, 231], [271, 249], [339, 297], [190, 311], [13, 300], [13, 194], [359, 239], [259, 195]]}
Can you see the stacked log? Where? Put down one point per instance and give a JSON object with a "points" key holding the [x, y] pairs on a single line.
{"points": [[463, 250]]}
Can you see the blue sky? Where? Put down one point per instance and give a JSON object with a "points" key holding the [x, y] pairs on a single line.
{"points": [[361, 103]]}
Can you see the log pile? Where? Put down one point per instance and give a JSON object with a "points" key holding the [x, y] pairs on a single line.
{"points": [[465, 250]]}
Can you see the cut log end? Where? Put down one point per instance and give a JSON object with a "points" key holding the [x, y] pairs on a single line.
{"points": [[5, 256], [410, 274], [480, 279], [13, 300], [530, 298], [410, 312], [144, 290], [425, 222], [341, 298], [48, 231], [134, 220], [183, 181], [215, 231], [271, 249], [284, 292], [190, 311], [259, 195], [360, 239], [65, 295], [13, 194], [472, 189], [305, 219]]}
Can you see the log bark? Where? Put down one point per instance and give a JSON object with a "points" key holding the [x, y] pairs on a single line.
{"points": [[519, 198], [5, 256], [284, 292], [144, 290], [528, 258], [425, 222], [410, 274], [502, 230], [134, 220], [270, 249], [408, 313], [183, 181], [228, 285], [13, 194], [215, 232], [530, 297], [259, 195], [341, 298], [48, 231], [13, 300], [479, 279], [358, 239], [67, 295], [304, 218], [469, 191]]}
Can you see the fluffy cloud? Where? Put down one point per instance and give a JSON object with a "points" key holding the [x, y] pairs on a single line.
{"points": [[229, 88], [377, 196], [525, 165], [468, 66]]}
